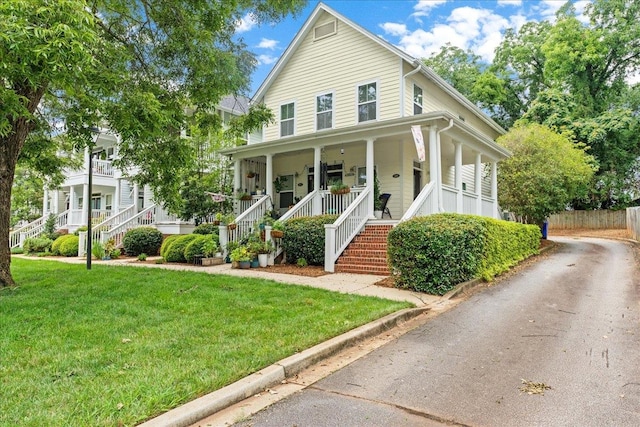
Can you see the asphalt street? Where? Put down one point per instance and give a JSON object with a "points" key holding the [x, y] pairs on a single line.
{"points": [[556, 343]]}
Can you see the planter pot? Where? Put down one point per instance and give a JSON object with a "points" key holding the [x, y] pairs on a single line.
{"points": [[212, 261], [263, 259], [244, 264], [341, 191], [277, 234], [227, 260], [255, 263], [271, 260], [235, 264], [232, 226], [377, 214]]}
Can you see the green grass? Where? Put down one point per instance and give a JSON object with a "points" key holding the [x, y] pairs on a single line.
{"points": [[118, 345]]}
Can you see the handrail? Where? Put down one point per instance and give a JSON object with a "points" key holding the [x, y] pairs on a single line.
{"points": [[112, 221], [34, 228], [245, 221], [424, 204], [144, 218], [339, 234], [14, 236], [303, 208]]}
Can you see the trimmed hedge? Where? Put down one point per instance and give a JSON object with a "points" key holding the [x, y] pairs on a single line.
{"points": [[37, 245], [142, 240], [69, 246], [166, 243], [196, 246], [304, 238], [55, 246], [175, 251], [206, 229], [434, 253]]}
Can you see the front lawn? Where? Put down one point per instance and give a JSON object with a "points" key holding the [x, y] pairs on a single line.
{"points": [[118, 345]]}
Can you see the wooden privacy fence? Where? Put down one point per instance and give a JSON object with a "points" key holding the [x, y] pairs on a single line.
{"points": [[593, 220], [633, 222]]}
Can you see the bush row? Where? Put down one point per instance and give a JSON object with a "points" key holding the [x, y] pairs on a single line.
{"points": [[304, 238], [434, 253]]}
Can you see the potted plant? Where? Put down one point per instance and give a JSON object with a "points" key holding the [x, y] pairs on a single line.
{"points": [[244, 196], [231, 246], [277, 229], [264, 249], [338, 187], [242, 256], [208, 249]]}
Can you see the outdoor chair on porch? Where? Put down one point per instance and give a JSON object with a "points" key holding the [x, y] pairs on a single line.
{"points": [[384, 199]]}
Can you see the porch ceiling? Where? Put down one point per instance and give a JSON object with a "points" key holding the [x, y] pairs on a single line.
{"points": [[396, 130]]}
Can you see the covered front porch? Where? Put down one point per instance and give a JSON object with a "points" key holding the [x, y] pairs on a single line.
{"points": [[458, 173]]}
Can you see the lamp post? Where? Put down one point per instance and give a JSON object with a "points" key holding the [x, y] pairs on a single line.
{"points": [[95, 131]]}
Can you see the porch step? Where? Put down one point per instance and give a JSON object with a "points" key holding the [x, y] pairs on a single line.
{"points": [[367, 253]]}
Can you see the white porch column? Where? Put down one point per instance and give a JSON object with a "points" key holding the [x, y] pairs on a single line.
{"points": [[433, 160], [439, 174], [370, 176], [269, 182], [458, 176], [45, 200], [317, 201], [477, 182], [72, 206], [115, 204], [237, 183], [86, 201], [136, 195], [494, 188], [55, 203]]}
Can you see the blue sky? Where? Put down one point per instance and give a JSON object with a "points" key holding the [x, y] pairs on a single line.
{"points": [[419, 27]]}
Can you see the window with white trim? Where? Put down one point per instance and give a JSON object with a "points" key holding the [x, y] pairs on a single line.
{"points": [[417, 99], [324, 111], [287, 119], [367, 102]]}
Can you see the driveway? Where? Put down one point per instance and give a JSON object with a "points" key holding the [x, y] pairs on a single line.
{"points": [[567, 327]]}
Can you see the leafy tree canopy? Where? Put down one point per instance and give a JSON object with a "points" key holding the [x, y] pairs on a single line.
{"points": [[546, 172], [131, 65]]}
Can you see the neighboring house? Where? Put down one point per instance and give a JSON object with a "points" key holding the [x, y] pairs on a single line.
{"points": [[117, 203], [348, 102]]}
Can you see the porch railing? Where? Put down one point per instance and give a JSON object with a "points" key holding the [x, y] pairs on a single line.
{"points": [[425, 204], [303, 208], [488, 207], [339, 234], [336, 204], [34, 229], [247, 219], [111, 222], [449, 198], [102, 167]]}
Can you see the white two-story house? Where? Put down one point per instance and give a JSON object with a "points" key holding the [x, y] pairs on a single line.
{"points": [[347, 103], [114, 201]]}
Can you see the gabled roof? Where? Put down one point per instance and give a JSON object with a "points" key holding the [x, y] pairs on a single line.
{"points": [[234, 104], [426, 71]]}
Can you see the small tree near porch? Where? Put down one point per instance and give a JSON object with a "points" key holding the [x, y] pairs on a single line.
{"points": [[546, 172]]}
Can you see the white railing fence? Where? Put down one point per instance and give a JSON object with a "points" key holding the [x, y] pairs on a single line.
{"points": [[425, 204], [303, 208], [35, 228], [102, 167], [336, 204], [146, 217], [246, 221], [449, 198], [111, 222], [339, 234]]}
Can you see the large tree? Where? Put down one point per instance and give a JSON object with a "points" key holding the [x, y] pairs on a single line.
{"points": [[546, 172], [132, 65]]}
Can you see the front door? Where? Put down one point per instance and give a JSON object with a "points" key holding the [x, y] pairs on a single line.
{"points": [[286, 192], [417, 182]]}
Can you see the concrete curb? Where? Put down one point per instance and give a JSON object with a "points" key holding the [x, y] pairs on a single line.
{"points": [[198, 409]]}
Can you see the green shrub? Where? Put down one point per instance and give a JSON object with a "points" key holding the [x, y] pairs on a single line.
{"points": [[175, 252], [37, 245], [166, 243], [304, 238], [197, 246], [142, 240], [434, 253], [69, 246], [55, 246], [17, 250], [97, 249], [206, 229], [142, 257], [79, 229]]}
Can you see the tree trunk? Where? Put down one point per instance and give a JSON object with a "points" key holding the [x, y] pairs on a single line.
{"points": [[10, 147]]}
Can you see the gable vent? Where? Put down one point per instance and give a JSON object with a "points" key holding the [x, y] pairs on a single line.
{"points": [[324, 30]]}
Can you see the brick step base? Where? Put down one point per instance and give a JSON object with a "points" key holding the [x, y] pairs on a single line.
{"points": [[363, 269], [367, 253]]}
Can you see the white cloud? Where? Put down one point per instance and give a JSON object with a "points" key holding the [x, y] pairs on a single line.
{"points": [[246, 23], [266, 59], [394, 29], [423, 7], [268, 44], [480, 30], [509, 2]]}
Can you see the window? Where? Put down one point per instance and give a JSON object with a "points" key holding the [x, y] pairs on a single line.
{"points": [[367, 105], [287, 117], [417, 99], [324, 111]]}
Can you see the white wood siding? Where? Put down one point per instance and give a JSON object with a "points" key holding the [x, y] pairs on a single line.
{"points": [[335, 63]]}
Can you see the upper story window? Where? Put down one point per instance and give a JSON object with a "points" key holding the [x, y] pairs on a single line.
{"points": [[417, 99], [287, 119], [325, 30], [367, 102], [324, 111]]}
